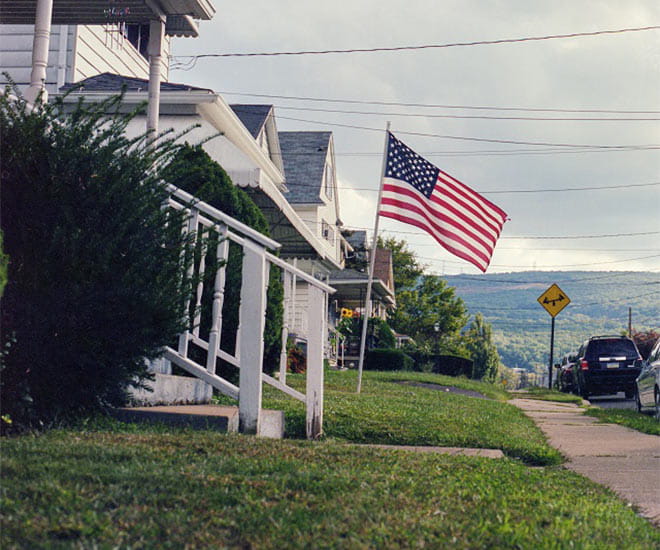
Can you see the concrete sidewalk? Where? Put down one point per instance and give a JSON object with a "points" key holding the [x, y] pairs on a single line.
{"points": [[625, 460]]}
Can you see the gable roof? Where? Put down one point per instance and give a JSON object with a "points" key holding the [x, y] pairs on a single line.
{"points": [[303, 156], [253, 117], [109, 82]]}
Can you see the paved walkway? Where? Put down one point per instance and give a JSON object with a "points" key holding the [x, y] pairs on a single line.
{"points": [[625, 460]]}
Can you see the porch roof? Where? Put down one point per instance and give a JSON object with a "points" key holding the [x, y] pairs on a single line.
{"points": [[179, 13], [351, 285]]}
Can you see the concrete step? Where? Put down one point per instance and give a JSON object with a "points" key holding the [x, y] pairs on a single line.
{"points": [[213, 417]]}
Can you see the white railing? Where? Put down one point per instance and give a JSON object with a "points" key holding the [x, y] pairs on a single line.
{"points": [[248, 355]]}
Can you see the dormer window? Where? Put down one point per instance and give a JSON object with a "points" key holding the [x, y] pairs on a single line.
{"points": [[329, 181]]}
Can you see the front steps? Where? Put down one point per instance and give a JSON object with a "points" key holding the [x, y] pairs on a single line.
{"points": [[212, 417]]}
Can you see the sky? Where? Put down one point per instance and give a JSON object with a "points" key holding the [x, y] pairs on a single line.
{"points": [[555, 223]]}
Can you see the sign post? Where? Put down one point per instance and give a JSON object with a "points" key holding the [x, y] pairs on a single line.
{"points": [[553, 301]]}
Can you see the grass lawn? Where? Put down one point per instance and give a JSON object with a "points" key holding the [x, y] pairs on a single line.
{"points": [[544, 394], [149, 487], [389, 412], [106, 484], [631, 419]]}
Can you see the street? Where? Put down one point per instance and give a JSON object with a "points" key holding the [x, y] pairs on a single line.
{"points": [[617, 401]]}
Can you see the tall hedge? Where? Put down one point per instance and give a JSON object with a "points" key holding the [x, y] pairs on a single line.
{"points": [[194, 171], [96, 279]]}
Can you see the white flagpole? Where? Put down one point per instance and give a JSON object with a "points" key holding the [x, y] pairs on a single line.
{"points": [[372, 263]]}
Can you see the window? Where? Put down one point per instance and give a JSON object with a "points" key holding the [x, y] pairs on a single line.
{"points": [[138, 35], [329, 181], [328, 232]]}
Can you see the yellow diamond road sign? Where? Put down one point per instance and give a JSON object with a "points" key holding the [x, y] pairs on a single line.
{"points": [[554, 300]]}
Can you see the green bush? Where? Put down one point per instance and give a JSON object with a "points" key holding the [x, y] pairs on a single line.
{"points": [[96, 281], [387, 359], [194, 171], [449, 365], [379, 333]]}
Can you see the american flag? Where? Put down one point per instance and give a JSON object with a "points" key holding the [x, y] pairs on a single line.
{"points": [[417, 192]]}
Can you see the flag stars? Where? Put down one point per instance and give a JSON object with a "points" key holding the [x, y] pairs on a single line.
{"points": [[406, 165]]}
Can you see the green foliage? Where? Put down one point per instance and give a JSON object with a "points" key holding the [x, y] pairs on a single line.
{"points": [[388, 359], [544, 394], [645, 340], [449, 365], [195, 172], [407, 269], [379, 333], [631, 419], [431, 313], [482, 351], [123, 486], [96, 279]]}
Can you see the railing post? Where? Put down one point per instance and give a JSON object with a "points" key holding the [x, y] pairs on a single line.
{"points": [[222, 253], [314, 389], [190, 227], [252, 320], [287, 281]]}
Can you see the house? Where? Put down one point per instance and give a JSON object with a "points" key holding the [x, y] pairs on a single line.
{"points": [[98, 54], [351, 288]]}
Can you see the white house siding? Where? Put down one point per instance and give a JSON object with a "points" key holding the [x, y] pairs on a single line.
{"points": [[75, 53], [16, 54], [101, 49]]}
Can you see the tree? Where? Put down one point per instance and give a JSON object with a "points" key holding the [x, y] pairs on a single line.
{"points": [[479, 343], [96, 282], [645, 340], [407, 269], [431, 313], [193, 170]]}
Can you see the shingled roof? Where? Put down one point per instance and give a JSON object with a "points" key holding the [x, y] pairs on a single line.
{"points": [[253, 117], [303, 155], [109, 82]]}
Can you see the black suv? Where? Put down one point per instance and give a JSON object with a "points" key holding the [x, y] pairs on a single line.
{"points": [[606, 365]]}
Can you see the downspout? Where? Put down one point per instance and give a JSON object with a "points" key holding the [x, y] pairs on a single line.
{"points": [[61, 56], [40, 45], [155, 51]]}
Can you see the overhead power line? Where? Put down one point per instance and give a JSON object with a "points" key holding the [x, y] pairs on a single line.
{"points": [[554, 265], [510, 191], [417, 47], [472, 117], [444, 106], [482, 140], [528, 237]]}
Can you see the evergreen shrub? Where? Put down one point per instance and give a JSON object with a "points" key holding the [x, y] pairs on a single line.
{"points": [[96, 282]]}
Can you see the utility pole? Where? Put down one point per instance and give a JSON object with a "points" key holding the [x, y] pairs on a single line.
{"points": [[630, 322]]}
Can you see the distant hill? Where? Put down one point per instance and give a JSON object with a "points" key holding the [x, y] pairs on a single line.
{"points": [[521, 327]]}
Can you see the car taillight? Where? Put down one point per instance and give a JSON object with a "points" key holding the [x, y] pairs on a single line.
{"points": [[584, 364]]}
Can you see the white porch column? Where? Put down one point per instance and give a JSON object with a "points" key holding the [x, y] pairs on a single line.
{"points": [[40, 45], [252, 321], [155, 51]]}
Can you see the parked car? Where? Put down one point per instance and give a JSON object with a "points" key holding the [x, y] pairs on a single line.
{"points": [[565, 374], [647, 385], [607, 365]]}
